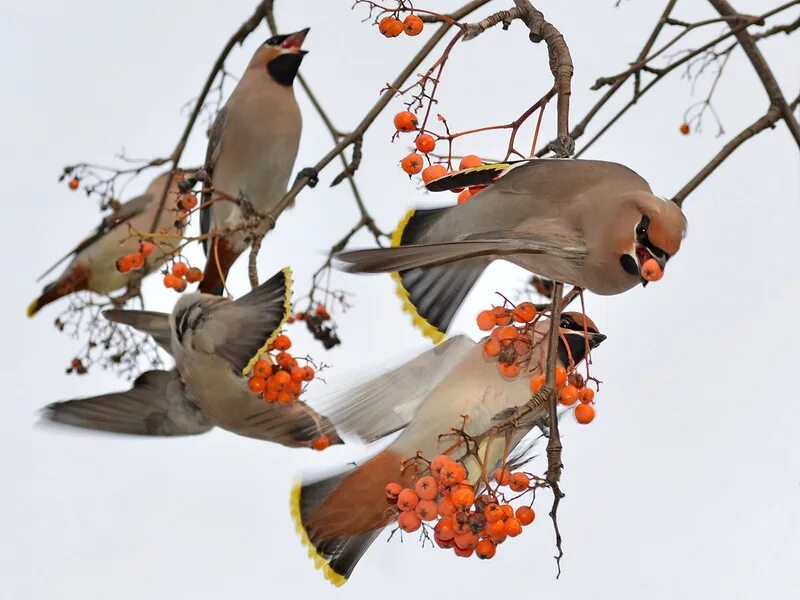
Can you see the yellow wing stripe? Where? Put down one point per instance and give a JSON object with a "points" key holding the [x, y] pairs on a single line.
{"points": [[486, 167], [287, 311], [320, 562], [418, 320]]}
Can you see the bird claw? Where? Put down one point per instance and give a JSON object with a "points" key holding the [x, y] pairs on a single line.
{"points": [[311, 174]]}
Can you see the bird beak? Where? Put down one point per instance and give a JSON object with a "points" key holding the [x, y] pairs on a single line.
{"points": [[577, 345], [643, 254], [294, 41]]}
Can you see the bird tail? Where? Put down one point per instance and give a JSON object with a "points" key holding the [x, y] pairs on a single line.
{"points": [[338, 518], [74, 280], [219, 261]]}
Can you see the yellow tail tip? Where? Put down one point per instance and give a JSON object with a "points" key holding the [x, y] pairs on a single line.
{"points": [[320, 562], [417, 319], [33, 308], [288, 283]]}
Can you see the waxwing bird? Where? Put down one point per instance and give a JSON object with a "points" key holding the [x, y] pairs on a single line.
{"points": [[251, 151], [339, 517], [93, 264], [215, 342], [588, 223]]}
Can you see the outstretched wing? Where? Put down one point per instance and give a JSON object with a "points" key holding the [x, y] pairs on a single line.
{"points": [[157, 404]]}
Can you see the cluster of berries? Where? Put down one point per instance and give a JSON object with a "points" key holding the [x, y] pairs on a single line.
{"points": [[278, 377], [181, 274], [466, 523], [510, 340], [570, 388], [135, 260], [391, 26]]}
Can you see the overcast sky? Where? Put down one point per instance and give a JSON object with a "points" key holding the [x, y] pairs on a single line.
{"points": [[688, 482]]}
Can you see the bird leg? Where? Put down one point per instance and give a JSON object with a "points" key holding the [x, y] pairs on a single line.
{"points": [[310, 174]]}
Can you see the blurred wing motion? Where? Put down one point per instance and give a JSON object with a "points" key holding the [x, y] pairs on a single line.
{"points": [[155, 324]]}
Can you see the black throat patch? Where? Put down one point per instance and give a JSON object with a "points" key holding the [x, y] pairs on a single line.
{"points": [[283, 68]]}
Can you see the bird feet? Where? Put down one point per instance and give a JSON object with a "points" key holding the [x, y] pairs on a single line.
{"points": [[309, 173]]}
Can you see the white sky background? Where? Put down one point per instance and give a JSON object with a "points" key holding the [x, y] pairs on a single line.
{"points": [[688, 482]]}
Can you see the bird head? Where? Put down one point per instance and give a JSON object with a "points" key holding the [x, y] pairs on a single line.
{"points": [[281, 56], [649, 228], [576, 329]]}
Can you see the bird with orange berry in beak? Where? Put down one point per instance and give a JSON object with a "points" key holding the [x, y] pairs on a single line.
{"points": [[94, 264], [459, 381], [593, 224], [217, 343], [251, 152]]}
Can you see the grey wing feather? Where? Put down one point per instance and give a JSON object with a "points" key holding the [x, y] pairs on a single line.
{"points": [[237, 331], [388, 402], [157, 405], [212, 155], [153, 323]]}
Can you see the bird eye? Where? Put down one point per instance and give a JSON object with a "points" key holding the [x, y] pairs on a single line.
{"points": [[274, 41], [641, 230], [565, 323]]}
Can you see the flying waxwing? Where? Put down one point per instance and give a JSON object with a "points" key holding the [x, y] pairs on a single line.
{"points": [[588, 223], [93, 264], [339, 517], [215, 342], [251, 151]]}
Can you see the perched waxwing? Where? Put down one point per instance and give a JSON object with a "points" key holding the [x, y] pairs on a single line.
{"points": [[340, 516], [93, 264], [251, 151], [215, 342], [588, 223]]}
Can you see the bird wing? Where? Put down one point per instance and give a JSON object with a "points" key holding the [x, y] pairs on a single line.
{"points": [[388, 402], [157, 404], [129, 210], [152, 323], [241, 331], [212, 155]]}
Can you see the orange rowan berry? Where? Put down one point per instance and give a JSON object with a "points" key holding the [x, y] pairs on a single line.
{"points": [[322, 312], [427, 488], [412, 25], [496, 531], [525, 515], [493, 512], [438, 462], [587, 395], [137, 260], [486, 320], [568, 395], [257, 384], [453, 473], [179, 269], [446, 507], [433, 172], [491, 347], [463, 196], [262, 368], [320, 443], [270, 394], [502, 315], [502, 476], [194, 275], [309, 373], [684, 128], [477, 189], [427, 510], [444, 529], [146, 248], [485, 549], [392, 489], [298, 374], [405, 121], [285, 397], [407, 499], [186, 202], [508, 370], [123, 264], [462, 552], [519, 482], [412, 163], [561, 376], [296, 387], [282, 342], [524, 312], [536, 383], [408, 521], [584, 414], [508, 511], [466, 541], [180, 286], [74, 183], [390, 27], [282, 380], [651, 270], [470, 161], [443, 543], [425, 143], [284, 359], [506, 333], [463, 498], [170, 281], [513, 527]]}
